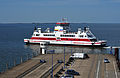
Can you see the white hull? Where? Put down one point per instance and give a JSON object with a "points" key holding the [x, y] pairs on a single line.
{"points": [[99, 43]]}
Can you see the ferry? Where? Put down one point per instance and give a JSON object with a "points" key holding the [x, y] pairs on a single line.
{"points": [[62, 36]]}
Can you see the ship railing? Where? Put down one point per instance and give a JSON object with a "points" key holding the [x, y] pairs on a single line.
{"points": [[72, 33], [102, 40]]}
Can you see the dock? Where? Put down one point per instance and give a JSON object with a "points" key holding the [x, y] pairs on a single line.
{"points": [[16, 71], [92, 67]]}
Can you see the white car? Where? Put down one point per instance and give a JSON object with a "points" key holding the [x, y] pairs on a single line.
{"points": [[79, 55], [67, 76]]}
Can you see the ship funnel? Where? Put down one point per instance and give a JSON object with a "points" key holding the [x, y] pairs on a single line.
{"points": [[39, 30]]}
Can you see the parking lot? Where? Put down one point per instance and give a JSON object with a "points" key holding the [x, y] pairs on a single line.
{"points": [[93, 67]]}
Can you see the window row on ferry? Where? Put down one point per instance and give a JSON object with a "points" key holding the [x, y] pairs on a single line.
{"points": [[85, 36], [49, 34], [67, 35], [36, 34]]}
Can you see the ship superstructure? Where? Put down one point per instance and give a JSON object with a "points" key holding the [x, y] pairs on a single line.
{"points": [[62, 35]]}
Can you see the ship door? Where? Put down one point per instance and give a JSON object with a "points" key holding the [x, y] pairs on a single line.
{"points": [[58, 38]]}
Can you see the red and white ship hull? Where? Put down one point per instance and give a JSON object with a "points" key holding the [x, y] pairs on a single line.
{"points": [[62, 35], [82, 42]]}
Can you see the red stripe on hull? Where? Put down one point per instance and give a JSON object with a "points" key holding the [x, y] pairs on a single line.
{"points": [[62, 39], [42, 38], [62, 23], [74, 39]]}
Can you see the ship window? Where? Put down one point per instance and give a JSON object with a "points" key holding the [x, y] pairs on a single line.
{"points": [[49, 34], [67, 35], [81, 35], [58, 38], [90, 36], [93, 40], [37, 34]]}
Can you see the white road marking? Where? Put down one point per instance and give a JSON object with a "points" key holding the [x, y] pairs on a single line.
{"points": [[34, 70], [98, 68], [115, 70], [106, 74]]}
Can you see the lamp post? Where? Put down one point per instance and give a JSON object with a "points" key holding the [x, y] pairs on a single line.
{"points": [[71, 55], [71, 51], [64, 56], [52, 51]]}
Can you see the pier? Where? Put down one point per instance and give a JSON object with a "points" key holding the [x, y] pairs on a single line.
{"points": [[30, 67], [92, 67], [46, 65]]}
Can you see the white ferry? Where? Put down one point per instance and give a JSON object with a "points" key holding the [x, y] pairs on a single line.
{"points": [[62, 36]]}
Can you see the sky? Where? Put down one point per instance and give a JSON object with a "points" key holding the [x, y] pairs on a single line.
{"points": [[48, 11]]}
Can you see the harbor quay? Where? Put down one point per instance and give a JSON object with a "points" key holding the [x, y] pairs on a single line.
{"points": [[92, 67], [29, 66]]}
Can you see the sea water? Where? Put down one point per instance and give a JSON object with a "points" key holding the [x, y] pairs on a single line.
{"points": [[12, 35]]}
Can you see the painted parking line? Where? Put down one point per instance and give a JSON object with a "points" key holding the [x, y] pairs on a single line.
{"points": [[115, 70], [98, 68]]}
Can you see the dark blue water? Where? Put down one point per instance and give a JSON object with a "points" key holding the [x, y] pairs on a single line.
{"points": [[12, 46]]}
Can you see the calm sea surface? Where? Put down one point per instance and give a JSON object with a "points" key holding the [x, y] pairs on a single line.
{"points": [[12, 46]]}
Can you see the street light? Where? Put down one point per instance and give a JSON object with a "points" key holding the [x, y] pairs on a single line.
{"points": [[71, 51], [52, 51], [64, 56]]}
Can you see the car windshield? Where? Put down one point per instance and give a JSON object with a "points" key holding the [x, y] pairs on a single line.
{"points": [[105, 59]]}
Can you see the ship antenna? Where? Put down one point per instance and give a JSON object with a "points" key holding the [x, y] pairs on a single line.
{"points": [[64, 19]]}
